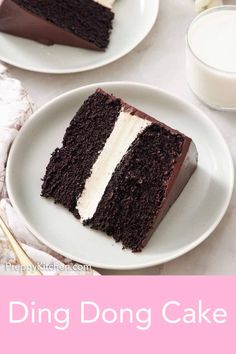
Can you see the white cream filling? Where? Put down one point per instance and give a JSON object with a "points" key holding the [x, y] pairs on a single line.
{"points": [[126, 130], [106, 3]]}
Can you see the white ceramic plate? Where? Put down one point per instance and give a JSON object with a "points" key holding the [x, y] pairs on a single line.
{"points": [[133, 21], [193, 217]]}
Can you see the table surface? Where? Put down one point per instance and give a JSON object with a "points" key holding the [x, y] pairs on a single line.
{"points": [[159, 60]]}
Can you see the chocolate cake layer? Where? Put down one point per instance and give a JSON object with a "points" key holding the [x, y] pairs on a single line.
{"points": [[119, 169], [79, 23], [71, 165], [140, 185], [145, 184]]}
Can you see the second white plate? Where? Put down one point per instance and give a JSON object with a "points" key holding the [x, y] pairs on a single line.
{"points": [[133, 21], [191, 219]]}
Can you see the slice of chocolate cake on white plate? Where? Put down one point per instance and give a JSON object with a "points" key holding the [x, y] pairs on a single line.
{"points": [[77, 23], [119, 170]]}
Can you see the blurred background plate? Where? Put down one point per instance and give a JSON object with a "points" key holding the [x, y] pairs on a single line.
{"points": [[133, 21]]}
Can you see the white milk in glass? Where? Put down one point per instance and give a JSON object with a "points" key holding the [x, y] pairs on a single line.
{"points": [[211, 57]]}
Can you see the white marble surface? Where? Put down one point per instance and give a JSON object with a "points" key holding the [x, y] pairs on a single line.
{"points": [[159, 60]]}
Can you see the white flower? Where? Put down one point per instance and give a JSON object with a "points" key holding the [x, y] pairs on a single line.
{"points": [[204, 4]]}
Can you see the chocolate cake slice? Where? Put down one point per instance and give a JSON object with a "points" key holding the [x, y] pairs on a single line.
{"points": [[119, 170], [78, 23]]}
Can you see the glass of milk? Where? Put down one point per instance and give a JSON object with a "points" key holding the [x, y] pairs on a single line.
{"points": [[211, 57]]}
